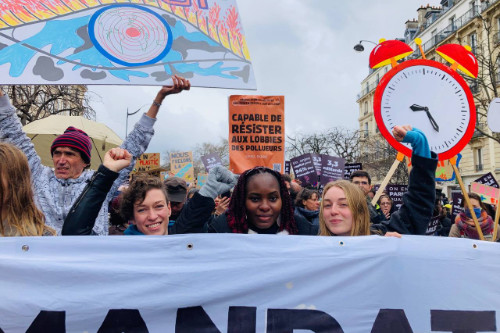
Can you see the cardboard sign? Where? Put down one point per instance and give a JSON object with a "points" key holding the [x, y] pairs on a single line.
{"points": [[488, 194], [288, 167], [118, 42], [201, 180], [181, 165], [211, 160], [349, 168], [444, 170], [256, 132], [332, 168], [304, 170], [488, 179], [147, 161], [433, 225]]}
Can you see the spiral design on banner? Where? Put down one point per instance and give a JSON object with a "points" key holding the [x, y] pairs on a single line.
{"points": [[130, 35]]}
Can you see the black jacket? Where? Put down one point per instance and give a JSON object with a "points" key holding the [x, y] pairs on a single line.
{"points": [[219, 225], [414, 215], [82, 215]]}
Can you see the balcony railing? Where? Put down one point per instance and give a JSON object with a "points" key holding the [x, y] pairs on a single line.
{"points": [[487, 4], [368, 89], [451, 28], [479, 167]]}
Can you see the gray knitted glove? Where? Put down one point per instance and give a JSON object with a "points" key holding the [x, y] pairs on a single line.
{"points": [[219, 180]]}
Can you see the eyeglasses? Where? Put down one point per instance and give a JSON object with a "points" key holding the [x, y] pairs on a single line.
{"points": [[357, 182]]}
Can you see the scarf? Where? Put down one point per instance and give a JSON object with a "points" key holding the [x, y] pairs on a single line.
{"points": [[469, 231]]}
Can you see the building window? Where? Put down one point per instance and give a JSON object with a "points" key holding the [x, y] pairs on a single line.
{"points": [[366, 130], [452, 26], [479, 159], [366, 108], [473, 42]]}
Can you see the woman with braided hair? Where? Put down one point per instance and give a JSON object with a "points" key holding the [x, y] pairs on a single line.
{"points": [[261, 204]]}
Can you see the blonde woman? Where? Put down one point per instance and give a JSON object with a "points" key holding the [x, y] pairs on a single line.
{"points": [[19, 215], [344, 212]]}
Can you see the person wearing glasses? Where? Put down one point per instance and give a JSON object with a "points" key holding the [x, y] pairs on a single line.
{"points": [[363, 180]]}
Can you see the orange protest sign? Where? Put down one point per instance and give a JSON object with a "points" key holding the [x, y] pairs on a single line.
{"points": [[147, 161], [256, 132]]}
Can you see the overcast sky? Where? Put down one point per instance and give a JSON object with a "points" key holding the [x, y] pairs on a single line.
{"points": [[302, 49]]}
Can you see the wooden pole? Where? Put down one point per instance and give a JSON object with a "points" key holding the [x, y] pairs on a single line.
{"points": [[453, 162], [388, 177]]}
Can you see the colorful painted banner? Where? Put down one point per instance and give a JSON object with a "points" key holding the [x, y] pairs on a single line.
{"points": [[147, 161], [349, 168], [181, 165], [123, 42], [488, 179], [211, 160], [488, 194], [256, 132], [297, 284], [332, 168]]}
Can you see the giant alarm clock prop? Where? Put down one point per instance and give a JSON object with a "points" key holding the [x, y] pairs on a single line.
{"points": [[429, 96]]}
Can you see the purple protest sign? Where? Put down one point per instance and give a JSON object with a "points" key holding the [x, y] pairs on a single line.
{"points": [[332, 168], [288, 167], [457, 199], [304, 170], [396, 193], [349, 168], [211, 160], [487, 179], [433, 225], [316, 158]]}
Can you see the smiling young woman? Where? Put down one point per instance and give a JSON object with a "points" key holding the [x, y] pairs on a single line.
{"points": [[344, 211], [261, 204]]}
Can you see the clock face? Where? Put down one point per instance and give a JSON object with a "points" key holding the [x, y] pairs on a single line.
{"points": [[431, 97]]}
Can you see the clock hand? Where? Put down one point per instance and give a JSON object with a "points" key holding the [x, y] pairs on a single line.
{"points": [[416, 107], [433, 122]]}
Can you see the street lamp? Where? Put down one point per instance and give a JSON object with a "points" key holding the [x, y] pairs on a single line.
{"points": [[131, 114], [360, 48]]}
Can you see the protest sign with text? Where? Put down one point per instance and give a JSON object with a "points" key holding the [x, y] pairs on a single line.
{"points": [[488, 179], [211, 160], [181, 165], [304, 170], [488, 194], [349, 168], [256, 132], [147, 161], [332, 168]]}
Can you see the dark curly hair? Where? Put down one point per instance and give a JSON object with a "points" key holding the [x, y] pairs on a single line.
{"points": [[236, 213], [305, 194], [137, 191]]}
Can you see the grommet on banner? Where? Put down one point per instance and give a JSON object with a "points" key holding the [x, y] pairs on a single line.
{"points": [[474, 246], [341, 243], [25, 248], [190, 246]]}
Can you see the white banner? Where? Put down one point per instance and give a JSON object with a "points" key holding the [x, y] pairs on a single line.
{"points": [[248, 283]]}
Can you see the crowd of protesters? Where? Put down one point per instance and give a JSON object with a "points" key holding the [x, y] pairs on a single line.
{"points": [[68, 199]]}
